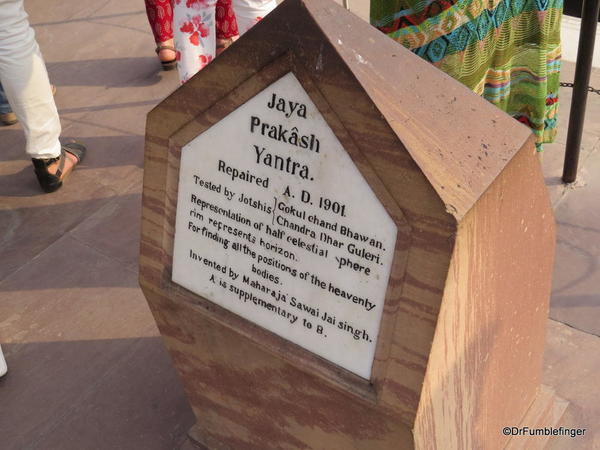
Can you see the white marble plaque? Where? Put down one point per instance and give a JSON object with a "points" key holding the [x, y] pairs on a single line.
{"points": [[276, 224]]}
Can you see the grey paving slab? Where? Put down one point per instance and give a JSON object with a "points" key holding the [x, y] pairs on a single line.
{"points": [[89, 85], [13, 146], [138, 404], [82, 350], [71, 291], [46, 380], [576, 285], [31, 220], [571, 367], [114, 229], [42, 14], [93, 33], [93, 394]]}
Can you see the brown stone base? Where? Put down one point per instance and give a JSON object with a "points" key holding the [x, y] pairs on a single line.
{"points": [[546, 411]]}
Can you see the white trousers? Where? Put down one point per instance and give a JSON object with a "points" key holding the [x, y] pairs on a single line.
{"points": [[194, 30], [25, 81]]}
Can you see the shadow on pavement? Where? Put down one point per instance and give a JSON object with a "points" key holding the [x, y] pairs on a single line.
{"points": [[101, 393], [109, 72]]}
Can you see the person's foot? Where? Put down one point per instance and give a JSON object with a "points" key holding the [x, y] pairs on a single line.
{"points": [[167, 54], [8, 118], [69, 164], [166, 51], [52, 172], [223, 43]]}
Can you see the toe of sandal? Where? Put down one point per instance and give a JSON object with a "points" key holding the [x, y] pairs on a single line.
{"points": [[76, 149]]}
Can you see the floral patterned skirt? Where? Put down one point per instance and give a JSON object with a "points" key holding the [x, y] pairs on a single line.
{"points": [[196, 24]]}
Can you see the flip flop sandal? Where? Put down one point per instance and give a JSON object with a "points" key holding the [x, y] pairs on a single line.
{"points": [[50, 182], [167, 65]]}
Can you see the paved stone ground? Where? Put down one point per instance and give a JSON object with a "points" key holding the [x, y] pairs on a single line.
{"points": [[87, 368]]}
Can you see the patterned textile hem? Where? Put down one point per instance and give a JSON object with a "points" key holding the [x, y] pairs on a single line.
{"points": [[506, 51]]}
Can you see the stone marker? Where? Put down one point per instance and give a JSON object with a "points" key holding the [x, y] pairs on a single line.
{"points": [[345, 248]]}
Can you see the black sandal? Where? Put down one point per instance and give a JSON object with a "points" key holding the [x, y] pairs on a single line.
{"points": [[50, 182], [167, 65]]}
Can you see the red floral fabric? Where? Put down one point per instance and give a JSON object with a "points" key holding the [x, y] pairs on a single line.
{"points": [[196, 28], [160, 17], [226, 24], [199, 23]]}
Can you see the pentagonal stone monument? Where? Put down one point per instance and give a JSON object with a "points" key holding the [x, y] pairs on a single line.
{"points": [[345, 248]]}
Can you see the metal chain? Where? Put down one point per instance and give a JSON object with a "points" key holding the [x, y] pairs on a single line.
{"points": [[570, 85]]}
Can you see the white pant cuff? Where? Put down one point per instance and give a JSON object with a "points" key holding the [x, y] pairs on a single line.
{"points": [[52, 152]]}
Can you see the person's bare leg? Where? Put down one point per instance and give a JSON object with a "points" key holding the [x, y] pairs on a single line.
{"points": [[70, 162], [223, 43]]}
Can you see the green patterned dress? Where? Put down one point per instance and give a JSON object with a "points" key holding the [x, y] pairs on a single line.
{"points": [[508, 51]]}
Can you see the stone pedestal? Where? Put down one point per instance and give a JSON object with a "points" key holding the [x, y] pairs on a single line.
{"points": [[380, 280]]}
